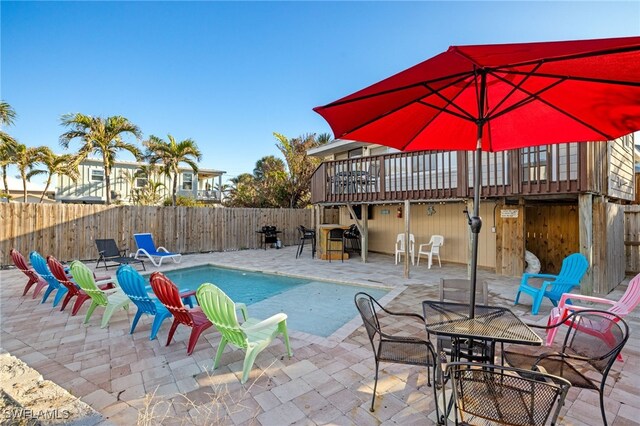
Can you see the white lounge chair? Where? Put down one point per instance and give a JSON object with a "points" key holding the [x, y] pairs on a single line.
{"points": [[147, 247]]}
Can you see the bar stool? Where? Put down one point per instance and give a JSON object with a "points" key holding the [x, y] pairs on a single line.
{"points": [[335, 235]]}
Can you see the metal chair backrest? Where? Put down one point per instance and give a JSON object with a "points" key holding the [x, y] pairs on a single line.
{"points": [[133, 285], [306, 233], [168, 293], [457, 290], [108, 247], [366, 308], [336, 234], [506, 395], [596, 335]]}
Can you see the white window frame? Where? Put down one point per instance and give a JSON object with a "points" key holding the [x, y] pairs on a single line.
{"points": [[186, 181], [97, 175]]}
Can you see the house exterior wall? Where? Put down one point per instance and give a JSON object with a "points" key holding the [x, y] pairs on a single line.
{"points": [[447, 220], [89, 189]]}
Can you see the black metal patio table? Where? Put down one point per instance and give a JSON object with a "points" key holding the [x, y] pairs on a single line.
{"points": [[492, 324]]}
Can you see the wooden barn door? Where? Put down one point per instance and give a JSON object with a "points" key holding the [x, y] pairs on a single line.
{"points": [[551, 233]]}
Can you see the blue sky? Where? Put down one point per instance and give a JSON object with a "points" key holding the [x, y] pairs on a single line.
{"points": [[229, 74]]}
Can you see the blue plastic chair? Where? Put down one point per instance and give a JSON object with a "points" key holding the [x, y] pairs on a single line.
{"points": [[136, 288], [39, 264], [553, 287]]}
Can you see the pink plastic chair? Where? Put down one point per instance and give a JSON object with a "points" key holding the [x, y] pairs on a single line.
{"points": [[34, 278], [627, 303], [168, 293]]}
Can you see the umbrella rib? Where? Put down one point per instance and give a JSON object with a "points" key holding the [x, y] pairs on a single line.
{"points": [[603, 52], [576, 78], [441, 110], [535, 96], [513, 90], [459, 77]]}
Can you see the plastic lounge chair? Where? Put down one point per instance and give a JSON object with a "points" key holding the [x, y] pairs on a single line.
{"points": [[435, 242], [493, 394], [109, 252], [59, 273], [622, 307], [40, 266], [400, 247], [111, 299], [147, 247], [253, 335], [34, 278], [590, 347], [554, 286], [135, 287], [390, 348], [168, 294]]}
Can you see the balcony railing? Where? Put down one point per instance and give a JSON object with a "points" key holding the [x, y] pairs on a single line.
{"points": [[201, 194], [425, 175]]}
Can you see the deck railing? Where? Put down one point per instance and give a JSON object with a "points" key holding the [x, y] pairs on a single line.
{"points": [[424, 175]]}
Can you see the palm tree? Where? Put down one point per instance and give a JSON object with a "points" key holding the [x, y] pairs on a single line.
{"points": [[172, 154], [101, 136], [61, 165], [26, 158], [7, 114], [7, 143]]}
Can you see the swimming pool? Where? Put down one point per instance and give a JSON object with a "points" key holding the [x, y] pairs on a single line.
{"points": [[315, 307]]}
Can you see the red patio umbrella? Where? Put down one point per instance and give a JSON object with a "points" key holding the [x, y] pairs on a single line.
{"points": [[499, 97]]}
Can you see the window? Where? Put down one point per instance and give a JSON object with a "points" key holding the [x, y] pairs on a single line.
{"points": [[187, 181], [97, 175], [141, 181]]}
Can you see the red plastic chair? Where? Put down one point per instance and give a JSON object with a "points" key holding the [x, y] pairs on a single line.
{"points": [[34, 278], [73, 290], [627, 303], [168, 293]]}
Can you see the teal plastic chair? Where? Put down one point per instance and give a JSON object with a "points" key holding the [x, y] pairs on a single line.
{"points": [[112, 299], [39, 264], [553, 287], [253, 335], [136, 289]]}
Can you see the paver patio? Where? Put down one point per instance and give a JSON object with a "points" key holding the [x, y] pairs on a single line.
{"points": [[130, 379]]}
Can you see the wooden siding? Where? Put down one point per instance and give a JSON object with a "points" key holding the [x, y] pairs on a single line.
{"points": [[448, 220], [621, 170], [632, 238], [552, 233], [68, 231]]}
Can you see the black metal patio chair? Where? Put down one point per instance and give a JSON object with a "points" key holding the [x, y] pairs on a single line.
{"points": [[352, 238], [501, 395], [108, 251], [306, 234], [590, 347], [394, 349]]}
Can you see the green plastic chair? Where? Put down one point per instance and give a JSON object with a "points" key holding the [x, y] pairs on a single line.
{"points": [[111, 299], [253, 335]]}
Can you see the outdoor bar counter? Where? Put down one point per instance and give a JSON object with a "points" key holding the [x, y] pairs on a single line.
{"points": [[322, 242]]}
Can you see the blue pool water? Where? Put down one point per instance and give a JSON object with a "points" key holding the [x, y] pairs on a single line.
{"points": [[314, 307]]}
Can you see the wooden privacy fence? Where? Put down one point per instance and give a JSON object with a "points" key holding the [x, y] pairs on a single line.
{"points": [[632, 238], [68, 231]]}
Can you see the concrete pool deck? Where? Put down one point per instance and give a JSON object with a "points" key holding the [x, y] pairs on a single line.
{"points": [[129, 379]]}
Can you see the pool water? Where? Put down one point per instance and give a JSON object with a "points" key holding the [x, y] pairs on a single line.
{"points": [[315, 307]]}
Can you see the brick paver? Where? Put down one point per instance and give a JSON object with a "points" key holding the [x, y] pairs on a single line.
{"points": [[130, 379]]}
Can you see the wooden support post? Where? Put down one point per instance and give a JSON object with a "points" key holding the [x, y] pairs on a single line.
{"points": [[407, 224], [585, 213], [364, 234]]}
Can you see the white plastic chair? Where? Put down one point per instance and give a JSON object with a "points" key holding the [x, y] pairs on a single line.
{"points": [[435, 242], [400, 247]]}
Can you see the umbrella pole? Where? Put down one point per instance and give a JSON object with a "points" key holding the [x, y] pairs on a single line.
{"points": [[475, 222]]}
